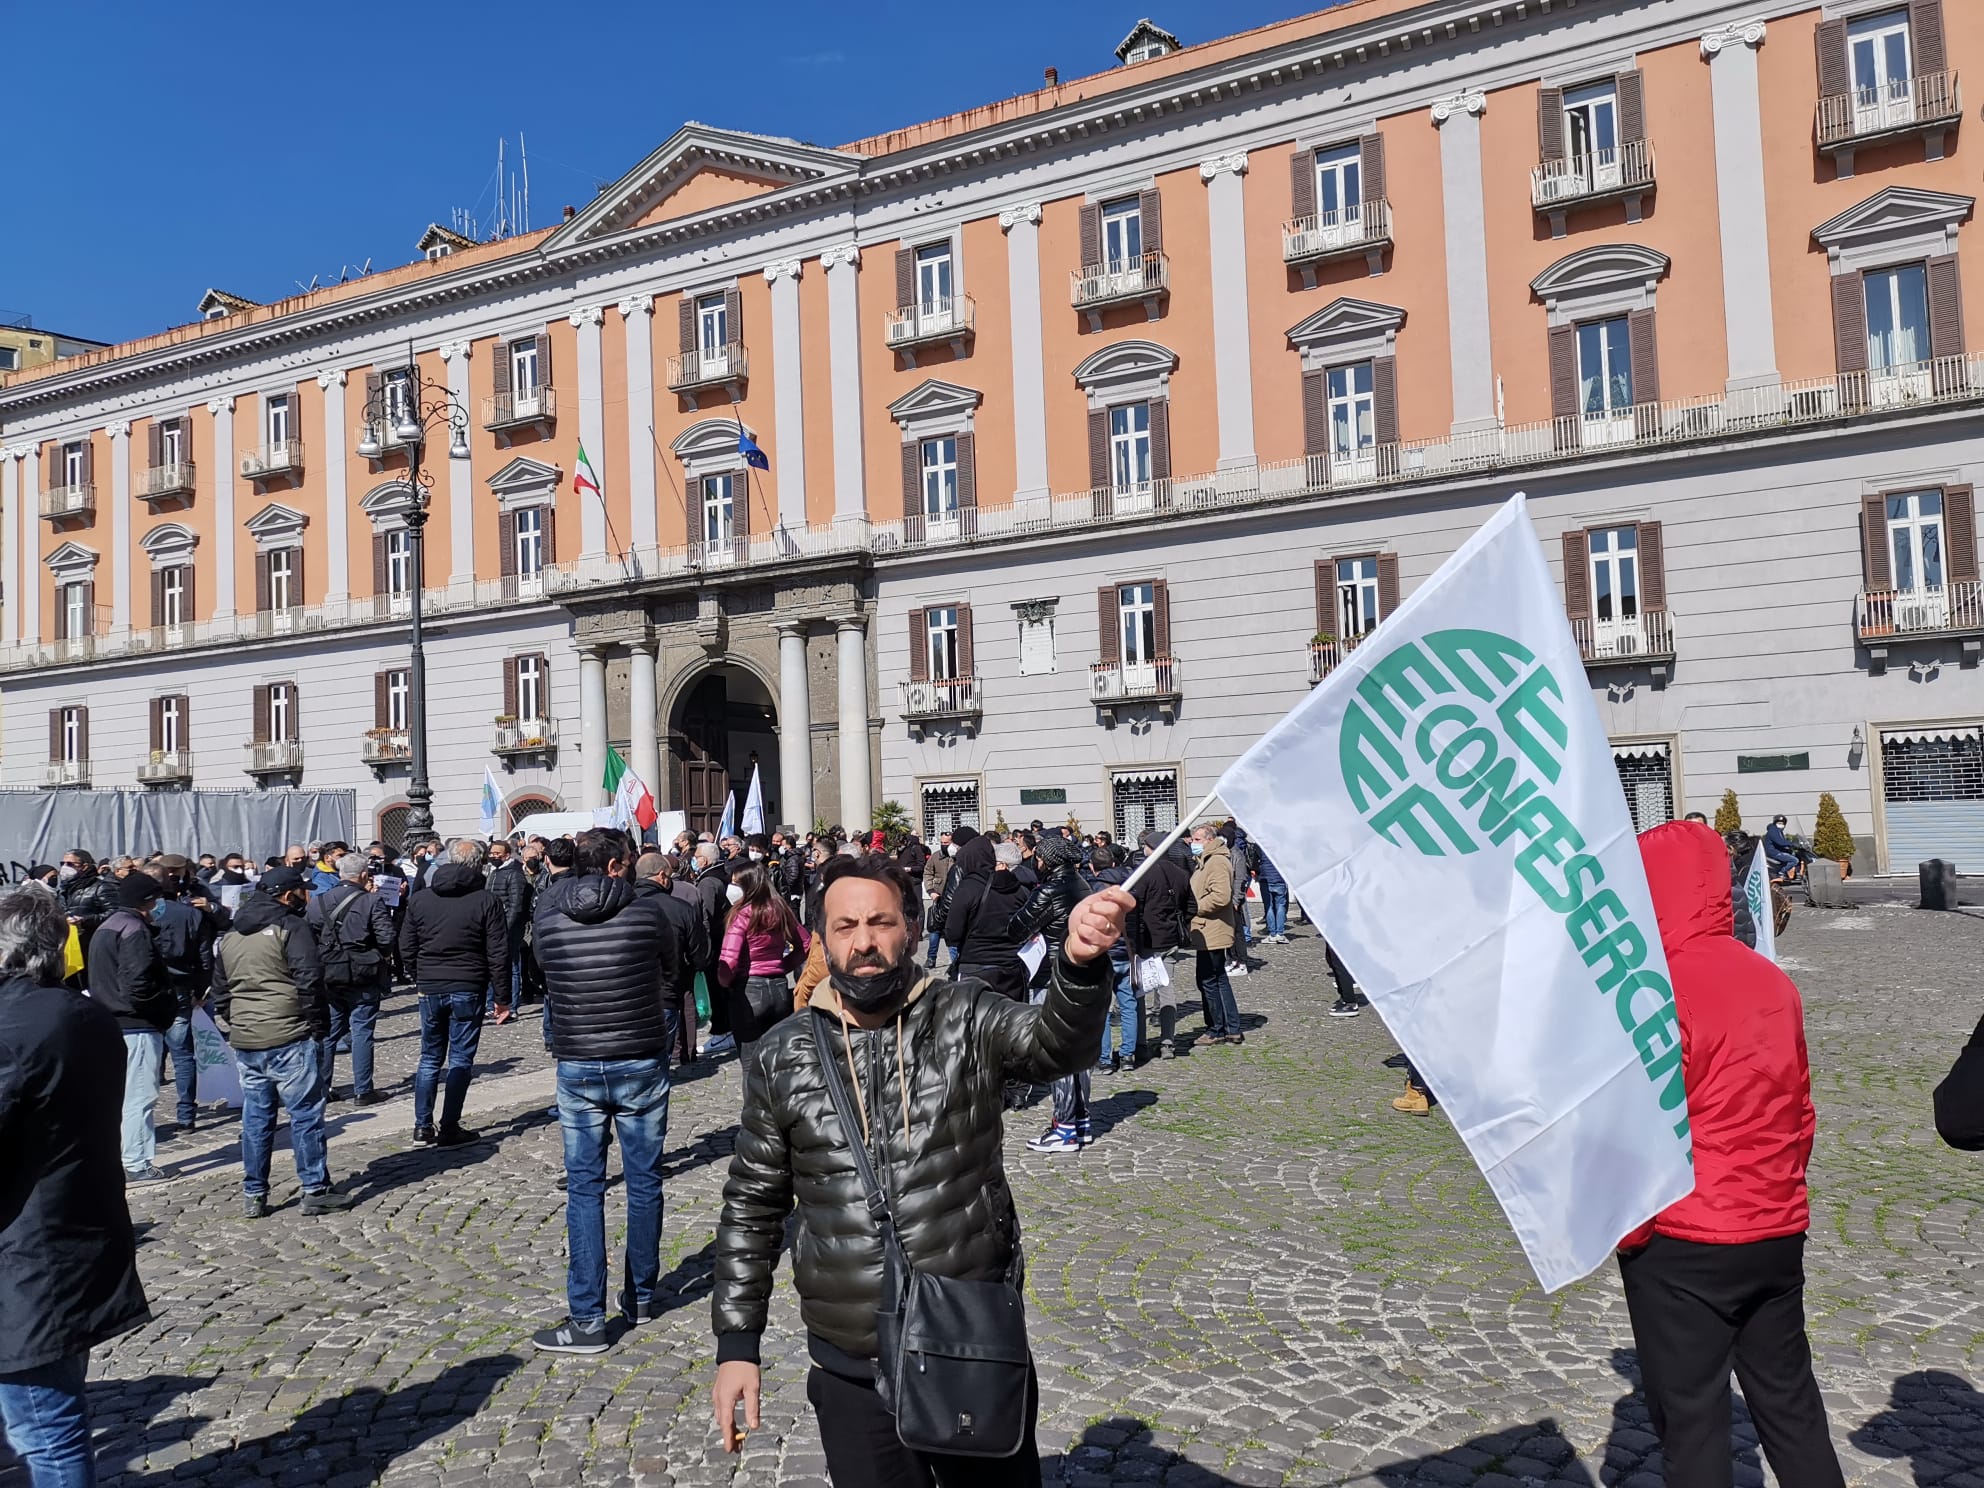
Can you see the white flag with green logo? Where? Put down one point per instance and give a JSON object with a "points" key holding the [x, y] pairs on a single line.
{"points": [[1447, 809], [1756, 894]]}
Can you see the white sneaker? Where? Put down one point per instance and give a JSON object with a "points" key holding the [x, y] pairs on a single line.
{"points": [[1236, 968]]}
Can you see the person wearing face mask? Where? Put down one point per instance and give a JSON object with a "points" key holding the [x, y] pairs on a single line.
{"points": [[713, 891], [184, 938], [122, 973], [88, 898], [983, 914], [1214, 933], [938, 1135], [940, 910], [763, 944]]}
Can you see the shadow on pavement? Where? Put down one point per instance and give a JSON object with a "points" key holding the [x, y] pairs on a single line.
{"points": [[391, 1170], [1934, 1418], [1105, 1113], [1122, 1448], [121, 1416], [1533, 1452]]}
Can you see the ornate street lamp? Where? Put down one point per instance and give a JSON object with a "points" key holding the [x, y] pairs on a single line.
{"points": [[407, 411]]}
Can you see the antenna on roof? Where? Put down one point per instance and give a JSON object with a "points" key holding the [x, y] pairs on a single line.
{"points": [[524, 155]]}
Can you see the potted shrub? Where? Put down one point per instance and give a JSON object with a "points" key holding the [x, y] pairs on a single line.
{"points": [[1831, 837], [1728, 817]]}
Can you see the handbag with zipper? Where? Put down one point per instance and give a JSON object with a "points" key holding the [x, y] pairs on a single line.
{"points": [[952, 1361]]}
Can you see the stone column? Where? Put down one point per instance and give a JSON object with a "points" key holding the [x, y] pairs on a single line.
{"points": [[224, 525], [1459, 121], [1232, 347], [844, 366], [638, 312], [592, 729], [10, 546], [461, 481], [1731, 51], [646, 745], [592, 433], [856, 802], [25, 539], [795, 728], [337, 539], [788, 394], [120, 527], [1022, 228]]}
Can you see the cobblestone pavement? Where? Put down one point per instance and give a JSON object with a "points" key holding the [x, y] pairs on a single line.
{"points": [[1259, 1275]]}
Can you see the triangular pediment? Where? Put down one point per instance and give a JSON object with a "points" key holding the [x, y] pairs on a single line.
{"points": [[1347, 317], [444, 238], [932, 397], [218, 302], [699, 168], [1895, 209], [72, 557], [1145, 31], [276, 518], [524, 474]]}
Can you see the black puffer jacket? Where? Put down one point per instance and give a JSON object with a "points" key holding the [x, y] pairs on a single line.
{"points": [[454, 932], [959, 1043], [686, 917], [974, 864], [1047, 908], [513, 892], [608, 954], [89, 899]]}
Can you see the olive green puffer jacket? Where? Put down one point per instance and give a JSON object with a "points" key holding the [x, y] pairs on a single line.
{"points": [[961, 1041]]}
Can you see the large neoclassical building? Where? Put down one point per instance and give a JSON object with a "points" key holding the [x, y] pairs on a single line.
{"points": [[1101, 422]]}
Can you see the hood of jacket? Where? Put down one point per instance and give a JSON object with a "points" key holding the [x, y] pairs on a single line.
{"points": [[976, 857], [590, 899], [258, 911], [1687, 867], [453, 879]]}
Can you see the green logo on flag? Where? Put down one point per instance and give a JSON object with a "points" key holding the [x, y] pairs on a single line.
{"points": [[1452, 743]]}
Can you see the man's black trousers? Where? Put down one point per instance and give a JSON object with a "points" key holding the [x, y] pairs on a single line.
{"points": [[863, 1450], [1699, 1310]]}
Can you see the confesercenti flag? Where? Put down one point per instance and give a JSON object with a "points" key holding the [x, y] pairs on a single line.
{"points": [[584, 477], [1756, 893], [754, 805], [492, 802], [1447, 808], [728, 826]]}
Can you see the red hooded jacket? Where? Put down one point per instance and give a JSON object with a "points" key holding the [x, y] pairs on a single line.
{"points": [[1742, 1054]]}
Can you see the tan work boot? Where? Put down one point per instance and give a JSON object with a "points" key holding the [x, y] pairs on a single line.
{"points": [[1413, 1103]]}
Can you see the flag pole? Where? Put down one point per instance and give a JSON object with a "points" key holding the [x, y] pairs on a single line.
{"points": [[1184, 826]]}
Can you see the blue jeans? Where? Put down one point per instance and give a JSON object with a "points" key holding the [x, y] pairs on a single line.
{"points": [[185, 1066], [450, 1030], [354, 1013], [289, 1075], [144, 1062], [1216, 994], [47, 1421], [633, 1094], [1274, 899], [1128, 1014]]}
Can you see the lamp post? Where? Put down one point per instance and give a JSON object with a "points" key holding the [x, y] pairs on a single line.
{"points": [[404, 411]]}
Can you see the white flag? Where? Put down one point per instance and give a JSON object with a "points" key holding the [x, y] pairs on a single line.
{"points": [[728, 826], [754, 805], [492, 802], [1446, 806], [1756, 892], [218, 1077]]}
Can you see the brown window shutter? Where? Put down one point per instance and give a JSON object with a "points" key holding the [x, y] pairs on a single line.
{"points": [[1877, 562], [1653, 567], [543, 360], [1960, 521], [543, 684], [1563, 371], [510, 686], [264, 583], [740, 506], [89, 460], [188, 607], [1161, 616], [158, 597], [1631, 87], [499, 368], [919, 646], [1577, 575], [55, 470], [1098, 448], [382, 707], [905, 277], [1550, 124], [1646, 356], [375, 386], [965, 658], [378, 563], [1925, 37], [185, 721], [1326, 595], [155, 445], [261, 713], [54, 735], [1151, 205], [1945, 308], [89, 607], [298, 595], [1160, 439], [158, 723], [1315, 413], [1091, 234], [1371, 166], [1835, 77], [1387, 584], [967, 471], [550, 535], [1384, 399], [506, 543], [82, 733], [685, 325], [61, 613], [733, 317], [1302, 184], [1849, 322], [912, 480], [1109, 616]]}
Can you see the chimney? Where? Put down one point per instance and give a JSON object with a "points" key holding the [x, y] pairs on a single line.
{"points": [[570, 213], [1053, 77]]}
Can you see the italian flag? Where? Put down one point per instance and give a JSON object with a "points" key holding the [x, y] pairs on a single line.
{"points": [[585, 478], [632, 800]]}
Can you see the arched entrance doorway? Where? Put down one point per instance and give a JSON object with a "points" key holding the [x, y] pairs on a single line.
{"points": [[722, 725]]}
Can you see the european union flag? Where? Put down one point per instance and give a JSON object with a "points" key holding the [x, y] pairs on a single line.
{"points": [[753, 456]]}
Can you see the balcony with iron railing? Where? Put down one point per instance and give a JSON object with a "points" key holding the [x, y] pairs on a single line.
{"points": [[385, 746], [1095, 287], [1364, 228], [164, 482], [942, 320], [939, 700], [281, 620], [705, 367], [1933, 609], [279, 458], [515, 409], [1326, 654], [1931, 103], [1624, 640], [274, 756], [65, 503], [166, 767], [1600, 175], [516, 736], [65, 774], [94, 640], [935, 529], [1113, 685]]}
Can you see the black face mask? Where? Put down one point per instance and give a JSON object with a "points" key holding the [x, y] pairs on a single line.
{"points": [[870, 994]]}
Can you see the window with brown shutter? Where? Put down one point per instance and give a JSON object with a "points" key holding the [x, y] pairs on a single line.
{"points": [[158, 724], [54, 736], [1151, 208], [740, 506], [1849, 322], [544, 379], [1161, 618], [506, 544], [82, 733], [158, 598], [919, 646], [382, 704], [1925, 37], [685, 324], [733, 317], [1160, 439], [1550, 124], [187, 612], [1091, 234], [1302, 184], [1835, 77], [1371, 166], [89, 461], [1387, 584], [260, 713], [510, 686], [499, 374], [61, 613], [264, 585], [1877, 564], [1645, 352], [1563, 371], [378, 563], [1109, 615], [1652, 549], [155, 444], [1960, 520], [912, 480], [967, 471], [1577, 575], [1384, 408], [89, 607], [965, 659], [1945, 308], [375, 404], [905, 277], [1315, 412], [1098, 448], [1326, 596], [1631, 95], [549, 527], [185, 701]]}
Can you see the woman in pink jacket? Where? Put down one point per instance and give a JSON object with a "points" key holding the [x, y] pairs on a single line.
{"points": [[762, 944]]}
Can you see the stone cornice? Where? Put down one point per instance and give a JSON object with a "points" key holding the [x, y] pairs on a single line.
{"points": [[118, 429], [784, 268], [1234, 163], [586, 315], [451, 349], [1467, 101], [1748, 33], [1011, 217], [16, 451], [328, 380], [840, 255], [632, 305], [220, 405]]}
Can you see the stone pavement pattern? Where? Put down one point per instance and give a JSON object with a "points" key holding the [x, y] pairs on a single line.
{"points": [[1259, 1275]]}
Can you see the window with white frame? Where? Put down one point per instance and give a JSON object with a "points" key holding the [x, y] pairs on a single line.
{"points": [[1615, 574], [399, 563], [1352, 411], [712, 327], [398, 387], [530, 541], [279, 422], [1591, 124], [1143, 801], [1129, 447], [1357, 596], [1879, 55], [1915, 536], [1605, 367], [74, 730], [941, 626], [1136, 606], [171, 725], [282, 711], [172, 596], [1897, 317], [399, 700], [172, 442], [940, 477], [1339, 184], [933, 277], [531, 700], [523, 369], [76, 616], [72, 463], [1123, 234], [719, 508], [283, 587]]}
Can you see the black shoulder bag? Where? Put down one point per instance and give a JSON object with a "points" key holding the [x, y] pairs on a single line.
{"points": [[952, 1362]]}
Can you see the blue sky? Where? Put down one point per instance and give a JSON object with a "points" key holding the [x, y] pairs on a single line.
{"points": [[153, 149]]}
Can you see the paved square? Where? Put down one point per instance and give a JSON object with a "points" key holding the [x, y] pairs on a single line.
{"points": [[1259, 1275]]}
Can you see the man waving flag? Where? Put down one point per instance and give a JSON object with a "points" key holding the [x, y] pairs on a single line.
{"points": [[1456, 759]]}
